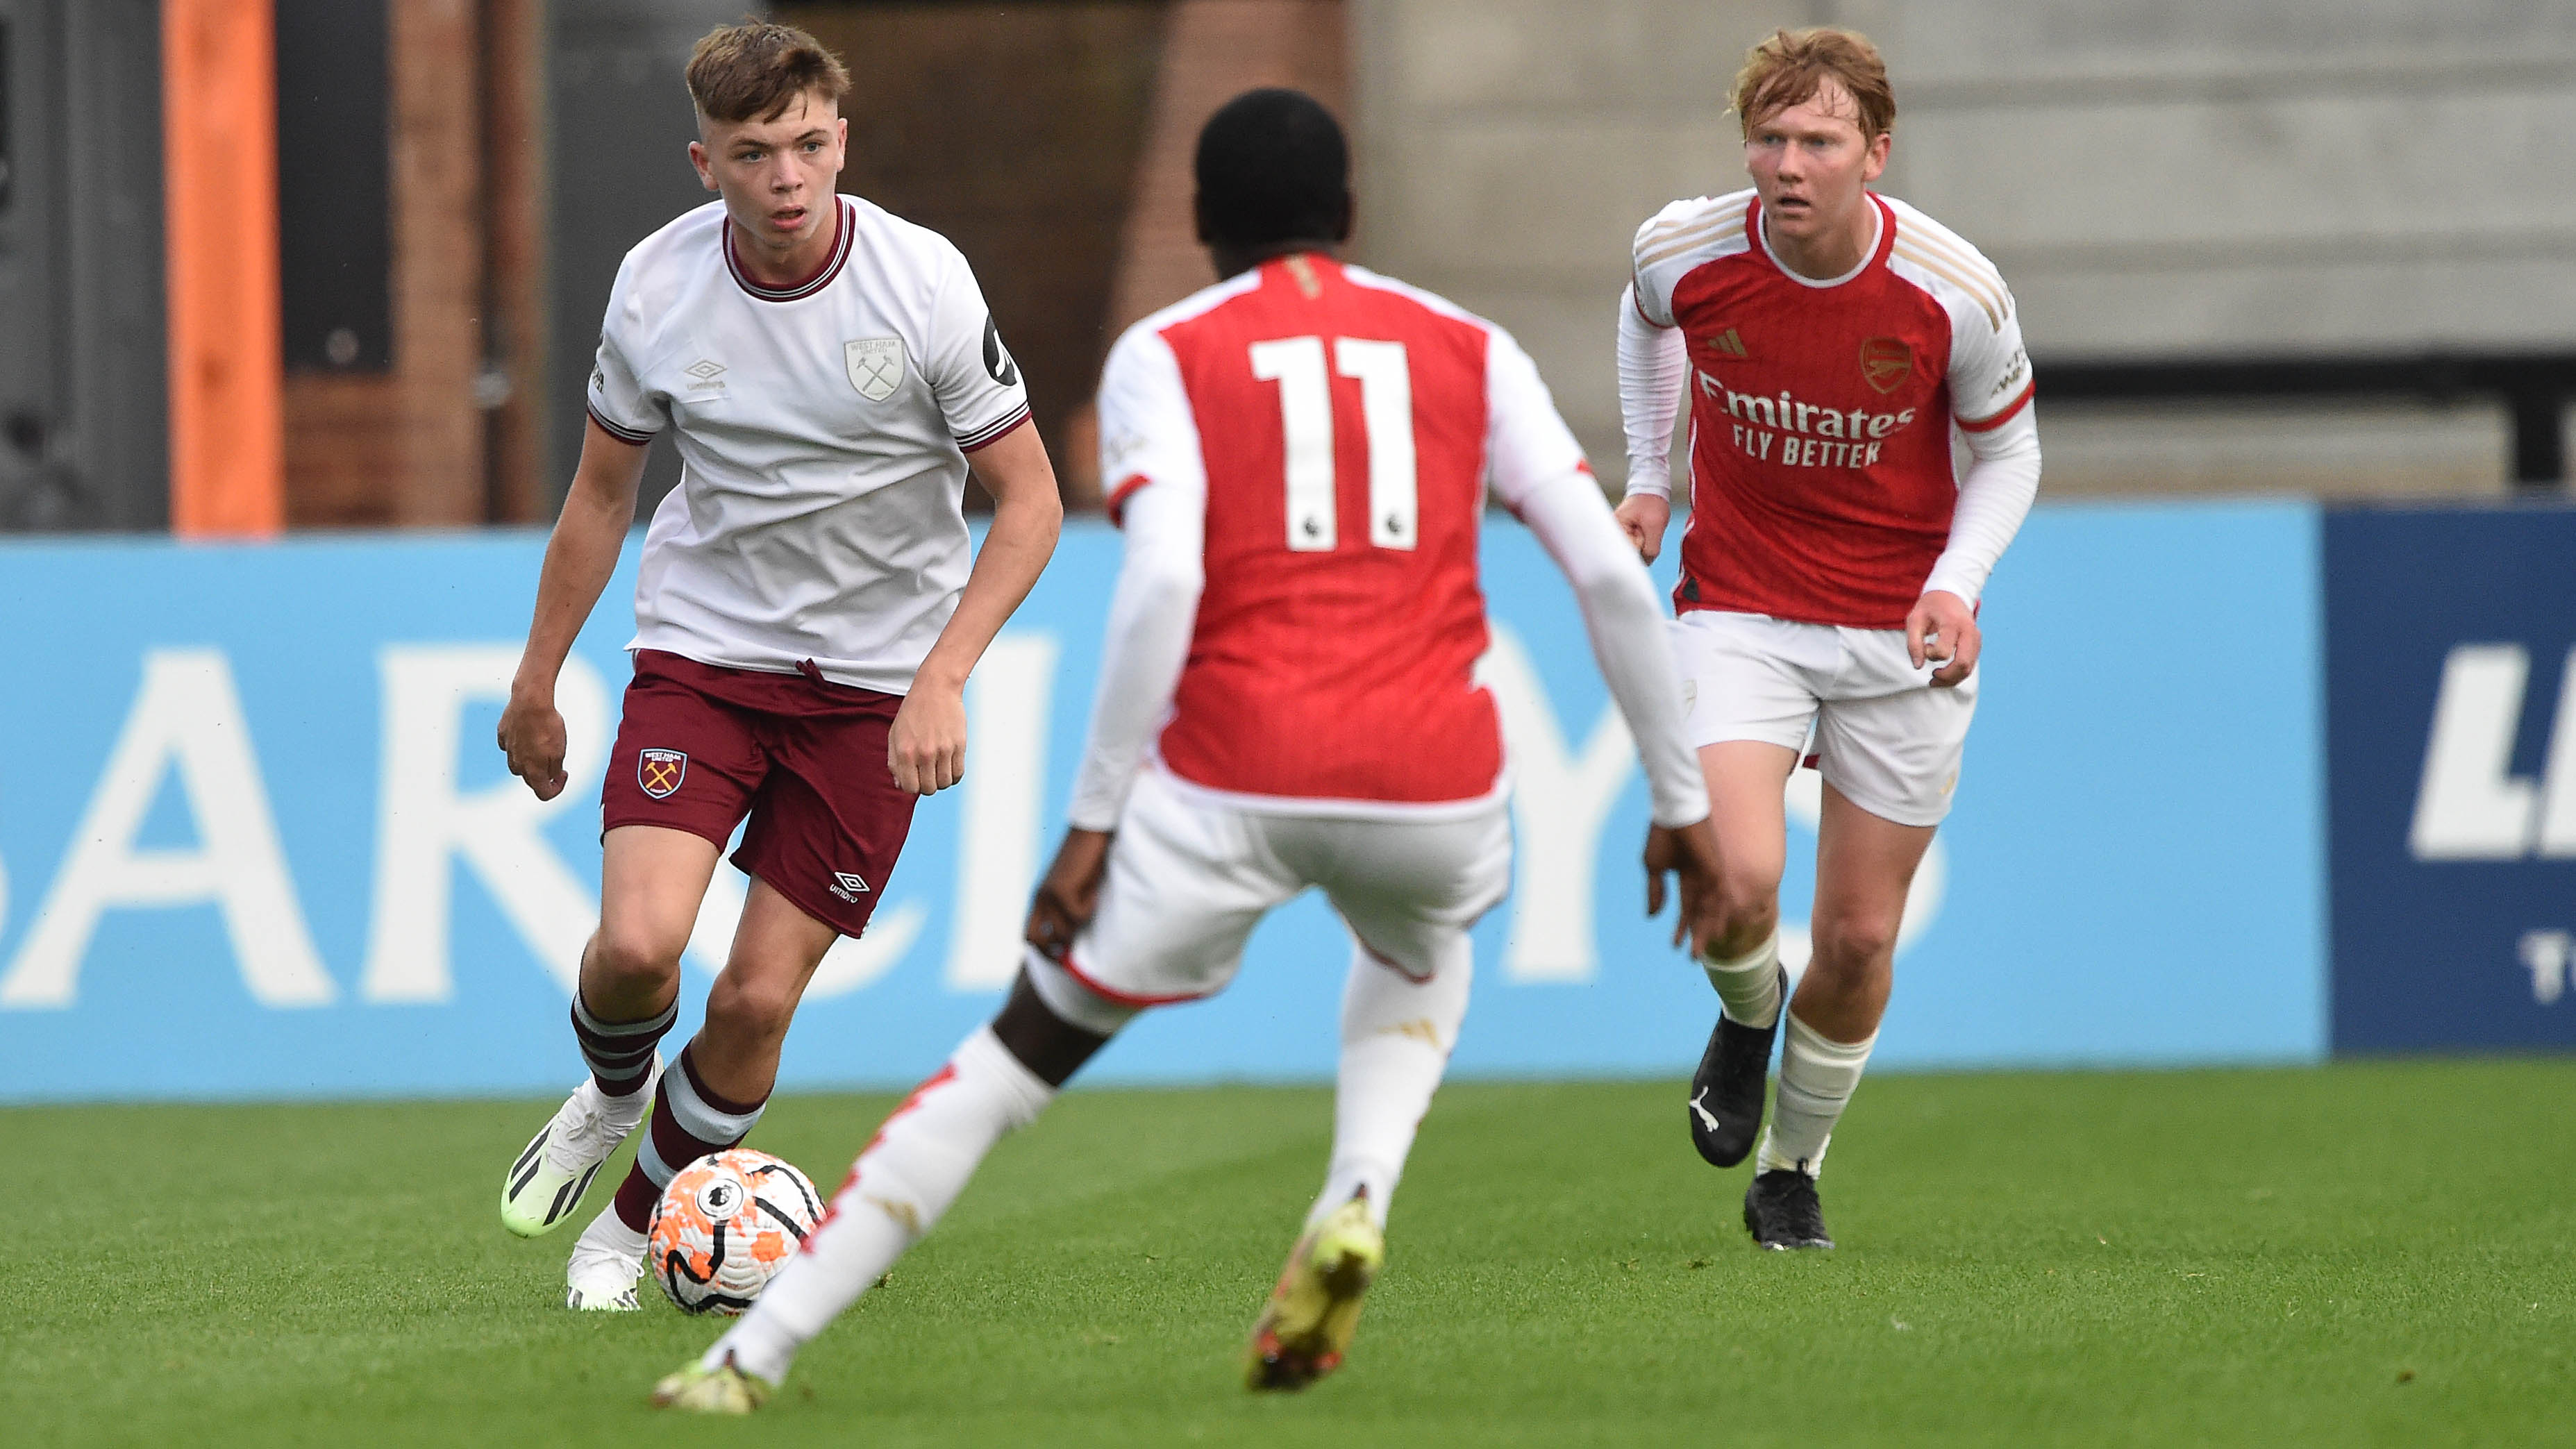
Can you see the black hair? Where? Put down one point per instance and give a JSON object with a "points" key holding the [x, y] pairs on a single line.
{"points": [[1273, 166]]}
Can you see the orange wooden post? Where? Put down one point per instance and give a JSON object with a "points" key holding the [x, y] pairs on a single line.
{"points": [[219, 161]]}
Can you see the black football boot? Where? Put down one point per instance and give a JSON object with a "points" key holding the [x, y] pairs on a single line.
{"points": [[1726, 1091], [1781, 1211]]}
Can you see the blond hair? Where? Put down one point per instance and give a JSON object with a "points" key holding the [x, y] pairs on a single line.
{"points": [[1790, 67], [757, 69]]}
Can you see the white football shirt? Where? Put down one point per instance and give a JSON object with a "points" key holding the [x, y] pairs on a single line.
{"points": [[823, 430]]}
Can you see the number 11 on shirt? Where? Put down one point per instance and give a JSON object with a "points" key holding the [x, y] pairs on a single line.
{"points": [[1306, 422]]}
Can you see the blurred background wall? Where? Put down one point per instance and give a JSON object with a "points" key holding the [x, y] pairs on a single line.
{"points": [[2370, 197], [82, 421], [2317, 247]]}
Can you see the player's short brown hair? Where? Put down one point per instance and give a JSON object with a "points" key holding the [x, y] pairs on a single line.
{"points": [[1790, 67], [755, 70]]}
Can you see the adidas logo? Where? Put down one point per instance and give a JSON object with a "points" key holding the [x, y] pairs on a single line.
{"points": [[1728, 343]]}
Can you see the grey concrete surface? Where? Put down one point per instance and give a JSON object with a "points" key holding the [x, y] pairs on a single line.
{"points": [[2189, 179]]}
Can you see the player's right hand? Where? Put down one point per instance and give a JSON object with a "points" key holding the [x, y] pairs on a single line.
{"points": [[1643, 517], [1070, 894], [532, 738], [1690, 853]]}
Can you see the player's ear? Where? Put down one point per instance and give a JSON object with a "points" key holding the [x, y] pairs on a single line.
{"points": [[1876, 164], [698, 160]]}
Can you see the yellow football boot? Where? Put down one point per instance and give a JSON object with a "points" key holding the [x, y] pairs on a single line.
{"points": [[1315, 1310], [723, 1389]]}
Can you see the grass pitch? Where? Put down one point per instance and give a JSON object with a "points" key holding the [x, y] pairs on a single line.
{"points": [[2379, 1254]]}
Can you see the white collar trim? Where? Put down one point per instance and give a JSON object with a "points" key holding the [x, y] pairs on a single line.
{"points": [[1868, 254]]}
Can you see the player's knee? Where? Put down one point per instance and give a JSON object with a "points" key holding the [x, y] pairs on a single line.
{"points": [[1853, 945], [1745, 881], [1748, 905], [748, 1007], [629, 956]]}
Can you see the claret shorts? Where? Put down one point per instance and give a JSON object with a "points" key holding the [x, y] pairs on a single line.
{"points": [[1881, 733], [701, 747]]}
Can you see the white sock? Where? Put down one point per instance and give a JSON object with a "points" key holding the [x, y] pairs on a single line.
{"points": [[1749, 985], [1396, 1038], [903, 1182], [1817, 1076]]}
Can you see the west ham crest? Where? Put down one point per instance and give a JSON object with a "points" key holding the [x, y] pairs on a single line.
{"points": [[875, 366], [1886, 363], [661, 771]]}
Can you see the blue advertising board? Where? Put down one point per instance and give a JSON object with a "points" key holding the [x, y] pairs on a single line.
{"points": [[2451, 729], [255, 840]]}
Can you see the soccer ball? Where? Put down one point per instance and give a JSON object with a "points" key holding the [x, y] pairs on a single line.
{"points": [[726, 1224]]}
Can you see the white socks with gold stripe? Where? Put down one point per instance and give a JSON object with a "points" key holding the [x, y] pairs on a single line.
{"points": [[1396, 1038], [1817, 1076], [1749, 985]]}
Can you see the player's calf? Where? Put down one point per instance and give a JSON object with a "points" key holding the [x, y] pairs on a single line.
{"points": [[747, 1016], [688, 1121], [903, 1181]]}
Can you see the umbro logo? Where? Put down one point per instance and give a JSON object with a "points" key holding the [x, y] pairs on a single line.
{"points": [[848, 887], [1728, 343], [709, 376]]}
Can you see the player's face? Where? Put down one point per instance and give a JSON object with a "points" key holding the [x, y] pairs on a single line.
{"points": [[1809, 162], [775, 175]]}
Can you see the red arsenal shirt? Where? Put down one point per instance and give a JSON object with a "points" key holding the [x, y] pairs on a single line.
{"points": [[1345, 429], [1821, 411]]}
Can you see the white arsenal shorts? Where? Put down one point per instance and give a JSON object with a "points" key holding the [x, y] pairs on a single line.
{"points": [[1191, 873], [1882, 734]]}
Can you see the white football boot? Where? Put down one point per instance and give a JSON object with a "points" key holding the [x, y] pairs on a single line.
{"points": [[606, 1260], [547, 1181]]}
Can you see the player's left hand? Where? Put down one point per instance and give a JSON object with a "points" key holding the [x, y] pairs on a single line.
{"points": [[1070, 894], [926, 749], [1942, 630]]}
